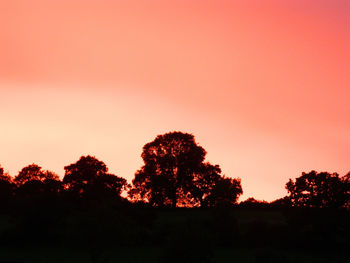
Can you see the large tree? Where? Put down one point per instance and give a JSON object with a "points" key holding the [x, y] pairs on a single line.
{"points": [[321, 190], [89, 177], [174, 173]]}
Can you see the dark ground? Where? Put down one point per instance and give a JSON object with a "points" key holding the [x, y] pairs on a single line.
{"points": [[129, 234]]}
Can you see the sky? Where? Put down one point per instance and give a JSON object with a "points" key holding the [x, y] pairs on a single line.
{"points": [[263, 85]]}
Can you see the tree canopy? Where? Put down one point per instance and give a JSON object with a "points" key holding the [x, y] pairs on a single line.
{"points": [[89, 176], [34, 182], [34, 172], [321, 190], [174, 174]]}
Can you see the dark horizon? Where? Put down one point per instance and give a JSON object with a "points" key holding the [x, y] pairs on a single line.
{"points": [[175, 173]]}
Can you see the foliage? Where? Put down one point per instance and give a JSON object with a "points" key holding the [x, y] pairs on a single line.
{"points": [[320, 190], [34, 183], [6, 188], [225, 192], [174, 174], [4, 176], [169, 164], [209, 188], [253, 203], [34, 172], [89, 177]]}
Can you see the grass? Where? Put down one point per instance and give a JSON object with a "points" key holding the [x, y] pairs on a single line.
{"points": [[175, 225]]}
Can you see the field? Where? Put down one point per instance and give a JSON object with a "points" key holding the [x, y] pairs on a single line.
{"points": [[189, 235]]}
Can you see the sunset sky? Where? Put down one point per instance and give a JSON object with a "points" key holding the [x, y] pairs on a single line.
{"points": [[263, 85]]}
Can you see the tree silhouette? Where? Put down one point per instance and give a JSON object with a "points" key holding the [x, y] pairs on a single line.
{"points": [[33, 182], [34, 172], [321, 190], [225, 192], [169, 163], [90, 177], [204, 182], [210, 188], [174, 174]]}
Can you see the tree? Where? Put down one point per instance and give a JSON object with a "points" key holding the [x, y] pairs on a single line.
{"points": [[174, 173], [321, 190], [225, 192], [90, 177], [34, 172], [169, 163], [210, 188], [33, 182]]}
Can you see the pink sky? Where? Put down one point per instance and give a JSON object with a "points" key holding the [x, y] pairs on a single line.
{"points": [[264, 87]]}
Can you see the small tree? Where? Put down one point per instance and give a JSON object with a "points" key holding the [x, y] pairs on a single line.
{"points": [[210, 188], [226, 192], [89, 177]]}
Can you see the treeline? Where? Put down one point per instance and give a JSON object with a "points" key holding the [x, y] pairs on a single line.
{"points": [[174, 174], [176, 202]]}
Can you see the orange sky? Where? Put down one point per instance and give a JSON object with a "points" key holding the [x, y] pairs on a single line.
{"points": [[264, 87]]}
